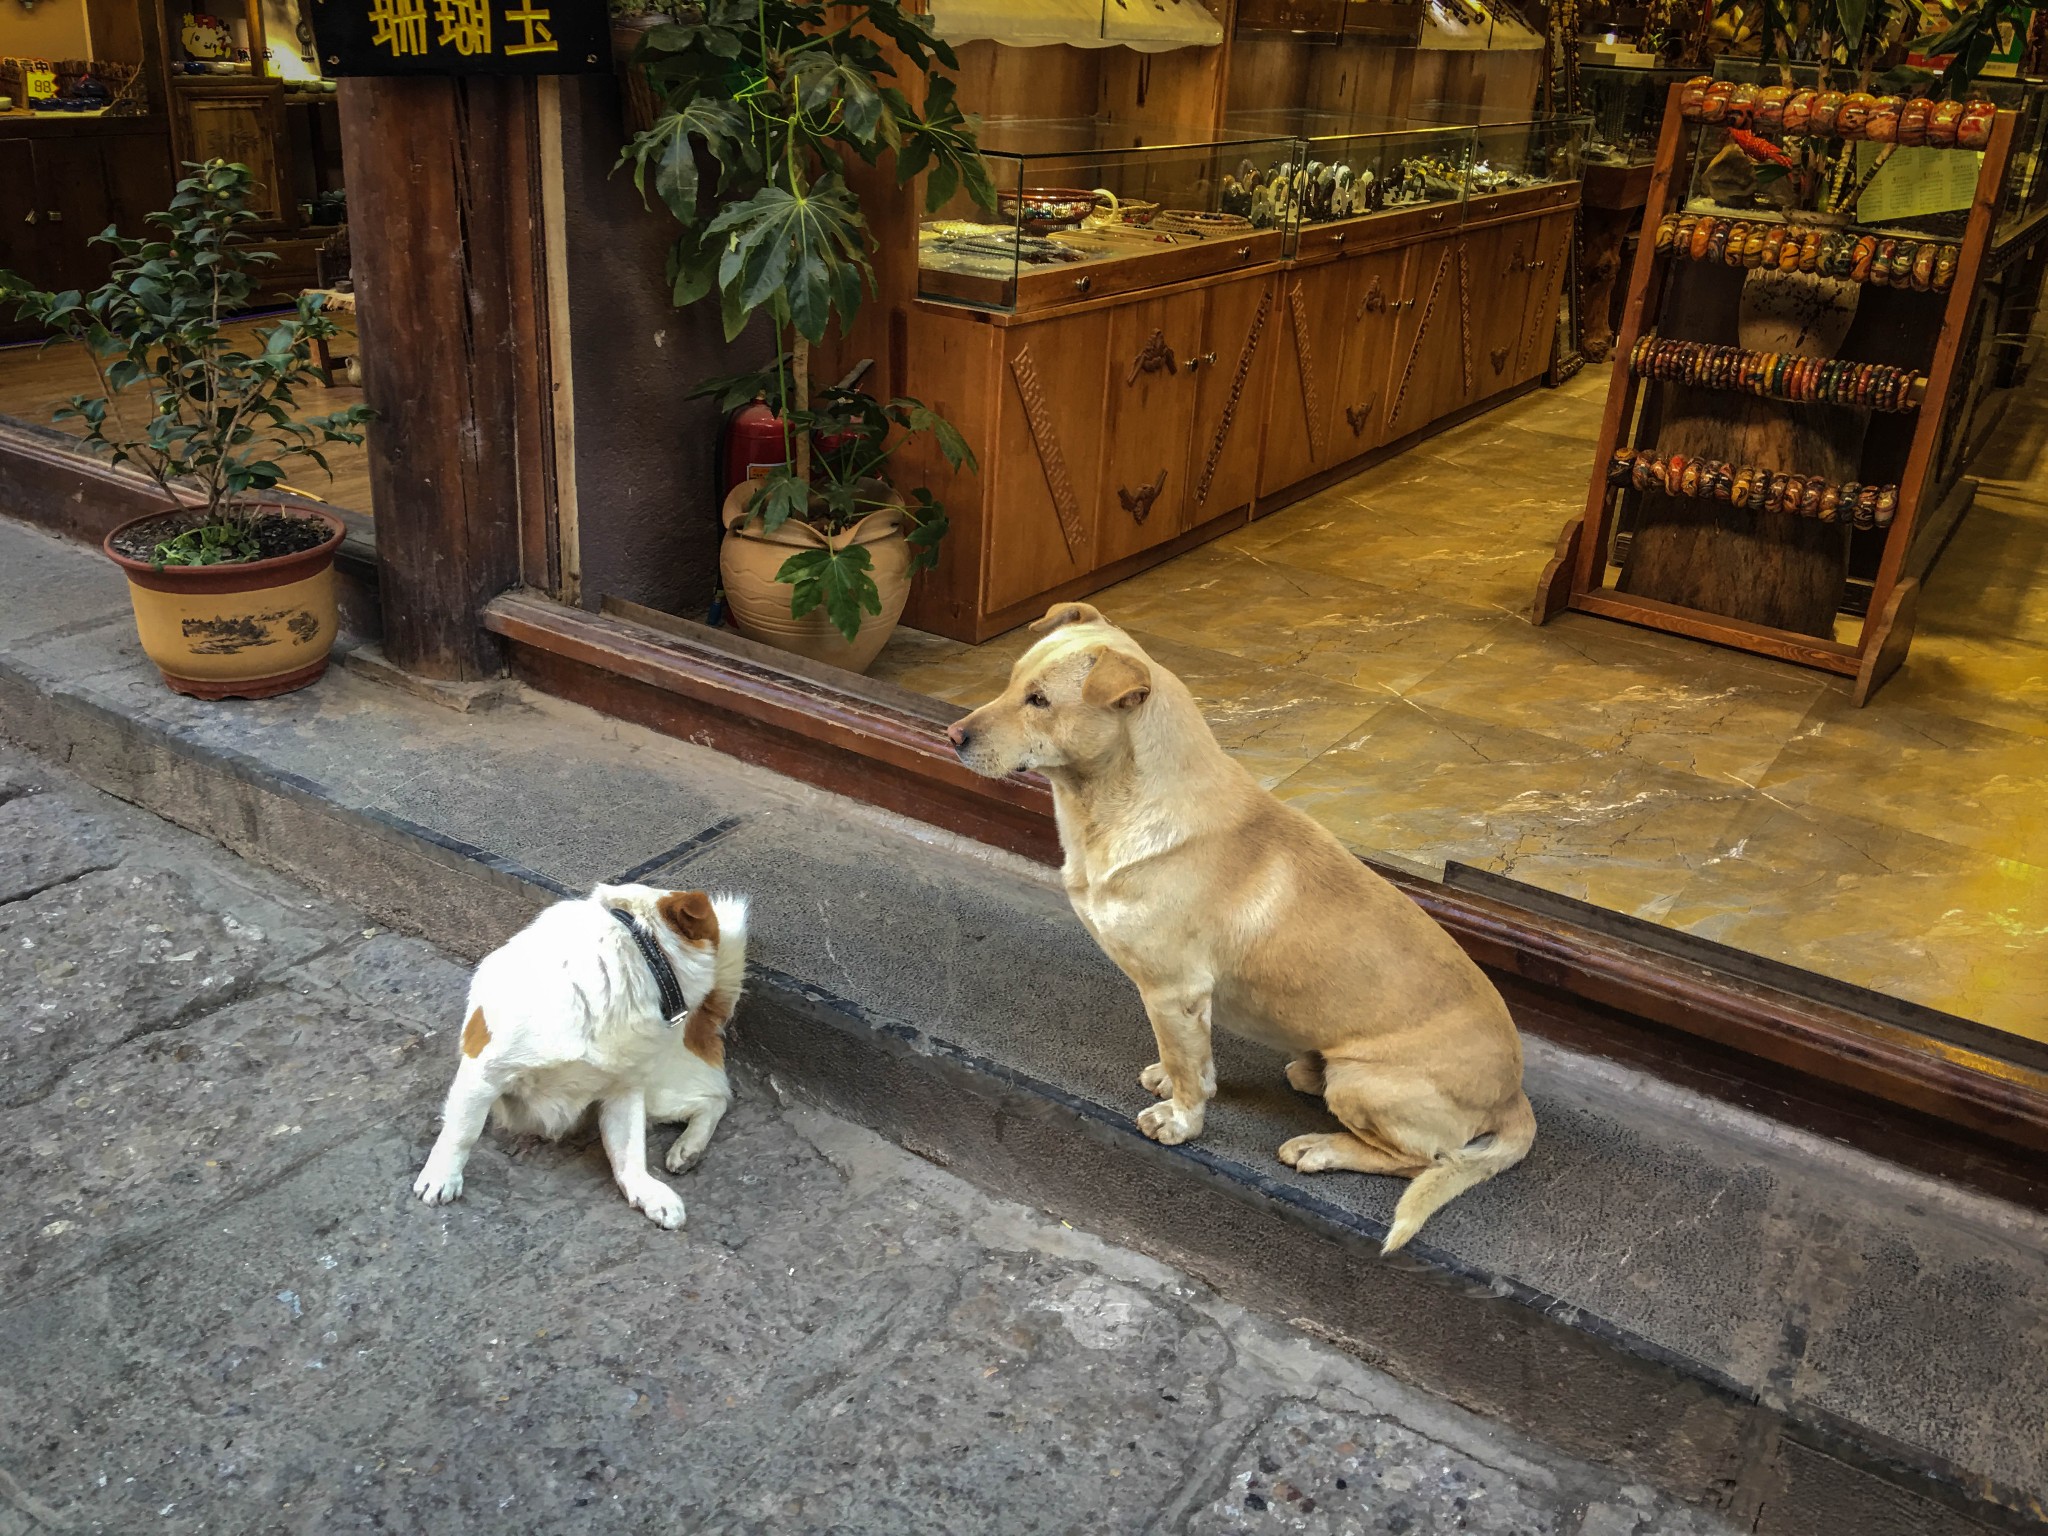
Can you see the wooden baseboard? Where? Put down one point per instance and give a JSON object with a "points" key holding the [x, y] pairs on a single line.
{"points": [[1597, 985]]}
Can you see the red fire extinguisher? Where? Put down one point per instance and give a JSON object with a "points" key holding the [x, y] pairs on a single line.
{"points": [[753, 445]]}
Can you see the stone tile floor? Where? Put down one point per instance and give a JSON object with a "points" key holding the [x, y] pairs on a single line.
{"points": [[1367, 653], [222, 1310]]}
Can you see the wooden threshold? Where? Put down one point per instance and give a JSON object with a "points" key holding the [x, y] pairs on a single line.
{"points": [[1567, 979], [763, 714]]}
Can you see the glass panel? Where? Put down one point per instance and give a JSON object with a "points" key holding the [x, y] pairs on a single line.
{"points": [[1626, 107], [1078, 213]]}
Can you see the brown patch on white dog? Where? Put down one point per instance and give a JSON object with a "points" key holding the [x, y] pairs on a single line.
{"points": [[475, 1034], [704, 1030], [689, 914]]}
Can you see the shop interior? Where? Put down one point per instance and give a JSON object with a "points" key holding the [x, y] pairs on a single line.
{"points": [[100, 101], [1291, 344], [1361, 635]]}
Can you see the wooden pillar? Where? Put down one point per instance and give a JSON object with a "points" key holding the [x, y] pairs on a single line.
{"points": [[445, 242]]}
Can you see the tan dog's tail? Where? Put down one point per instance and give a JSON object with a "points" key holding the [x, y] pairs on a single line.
{"points": [[1474, 1163]]}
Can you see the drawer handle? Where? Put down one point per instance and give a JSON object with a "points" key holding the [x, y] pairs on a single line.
{"points": [[1243, 251], [1083, 284], [1195, 362], [1438, 216], [1139, 502], [1338, 238]]}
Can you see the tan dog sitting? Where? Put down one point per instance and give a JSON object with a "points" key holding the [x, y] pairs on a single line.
{"points": [[1228, 908]]}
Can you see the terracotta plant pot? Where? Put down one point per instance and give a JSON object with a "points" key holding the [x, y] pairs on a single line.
{"points": [[236, 631], [636, 92], [759, 604]]}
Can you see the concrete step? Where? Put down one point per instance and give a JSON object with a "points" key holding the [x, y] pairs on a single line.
{"points": [[1794, 1334]]}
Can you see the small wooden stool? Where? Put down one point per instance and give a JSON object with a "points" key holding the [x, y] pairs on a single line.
{"points": [[334, 301]]}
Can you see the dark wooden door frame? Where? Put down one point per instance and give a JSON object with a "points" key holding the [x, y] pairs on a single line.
{"points": [[448, 257]]}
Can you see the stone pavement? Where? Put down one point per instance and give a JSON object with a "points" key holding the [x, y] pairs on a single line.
{"points": [[221, 1310]]}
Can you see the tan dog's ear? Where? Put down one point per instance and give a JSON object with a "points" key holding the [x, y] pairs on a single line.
{"points": [[1059, 615], [1117, 681], [690, 914]]}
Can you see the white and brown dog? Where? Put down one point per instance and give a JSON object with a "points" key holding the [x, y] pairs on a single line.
{"points": [[1227, 907], [619, 1000]]}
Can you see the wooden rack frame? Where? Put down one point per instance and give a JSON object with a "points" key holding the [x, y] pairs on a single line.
{"points": [[1575, 576]]}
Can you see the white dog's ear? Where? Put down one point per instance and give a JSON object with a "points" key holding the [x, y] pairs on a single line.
{"points": [[690, 914], [1059, 615], [1117, 681]]}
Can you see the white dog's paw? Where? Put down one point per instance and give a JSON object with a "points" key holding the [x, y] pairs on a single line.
{"points": [[1169, 1124], [664, 1207], [1154, 1080], [437, 1185], [1313, 1154], [682, 1157]]}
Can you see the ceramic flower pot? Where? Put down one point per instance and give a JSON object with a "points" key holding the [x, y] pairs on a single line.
{"points": [[750, 556], [236, 631]]}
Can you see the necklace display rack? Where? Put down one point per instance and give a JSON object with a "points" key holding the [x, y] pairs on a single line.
{"points": [[1663, 375]]}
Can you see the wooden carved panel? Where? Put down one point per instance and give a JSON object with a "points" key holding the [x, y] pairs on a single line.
{"points": [[1465, 324], [1540, 315], [1051, 461], [1243, 371], [1305, 363], [1416, 344], [1359, 417]]}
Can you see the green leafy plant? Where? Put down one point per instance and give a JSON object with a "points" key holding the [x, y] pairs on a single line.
{"points": [[854, 435], [221, 420], [772, 98]]}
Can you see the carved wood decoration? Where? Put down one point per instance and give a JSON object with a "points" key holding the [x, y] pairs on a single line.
{"points": [[1499, 358], [1245, 355], [1358, 416], [1539, 301], [1139, 502], [1415, 346], [1156, 357], [1066, 504], [1465, 323], [1374, 302], [1304, 361]]}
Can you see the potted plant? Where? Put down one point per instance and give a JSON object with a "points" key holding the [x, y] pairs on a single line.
{"points": [[802, 579], [233, 596], [773, 99]]}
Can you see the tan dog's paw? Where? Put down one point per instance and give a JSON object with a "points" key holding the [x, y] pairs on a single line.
{"points": [[1154, 1080], [1169, 1124], [1305, 1074], [1315, 1154]]}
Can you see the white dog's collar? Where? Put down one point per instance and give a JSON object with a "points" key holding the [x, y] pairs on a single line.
{"points": [[673, 1004]]}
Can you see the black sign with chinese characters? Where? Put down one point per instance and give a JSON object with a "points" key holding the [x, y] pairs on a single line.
{"points": [[462, 37]]}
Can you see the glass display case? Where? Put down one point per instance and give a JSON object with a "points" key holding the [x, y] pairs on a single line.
{"points": [[1625, 110], [1357, 167], [1077, 216], [1508, 157]]}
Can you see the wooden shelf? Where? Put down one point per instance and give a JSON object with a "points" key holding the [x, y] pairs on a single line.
{"points": [[1636, 417]]}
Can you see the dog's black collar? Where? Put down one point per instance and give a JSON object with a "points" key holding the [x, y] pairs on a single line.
{"points": [[673, 1003]]}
